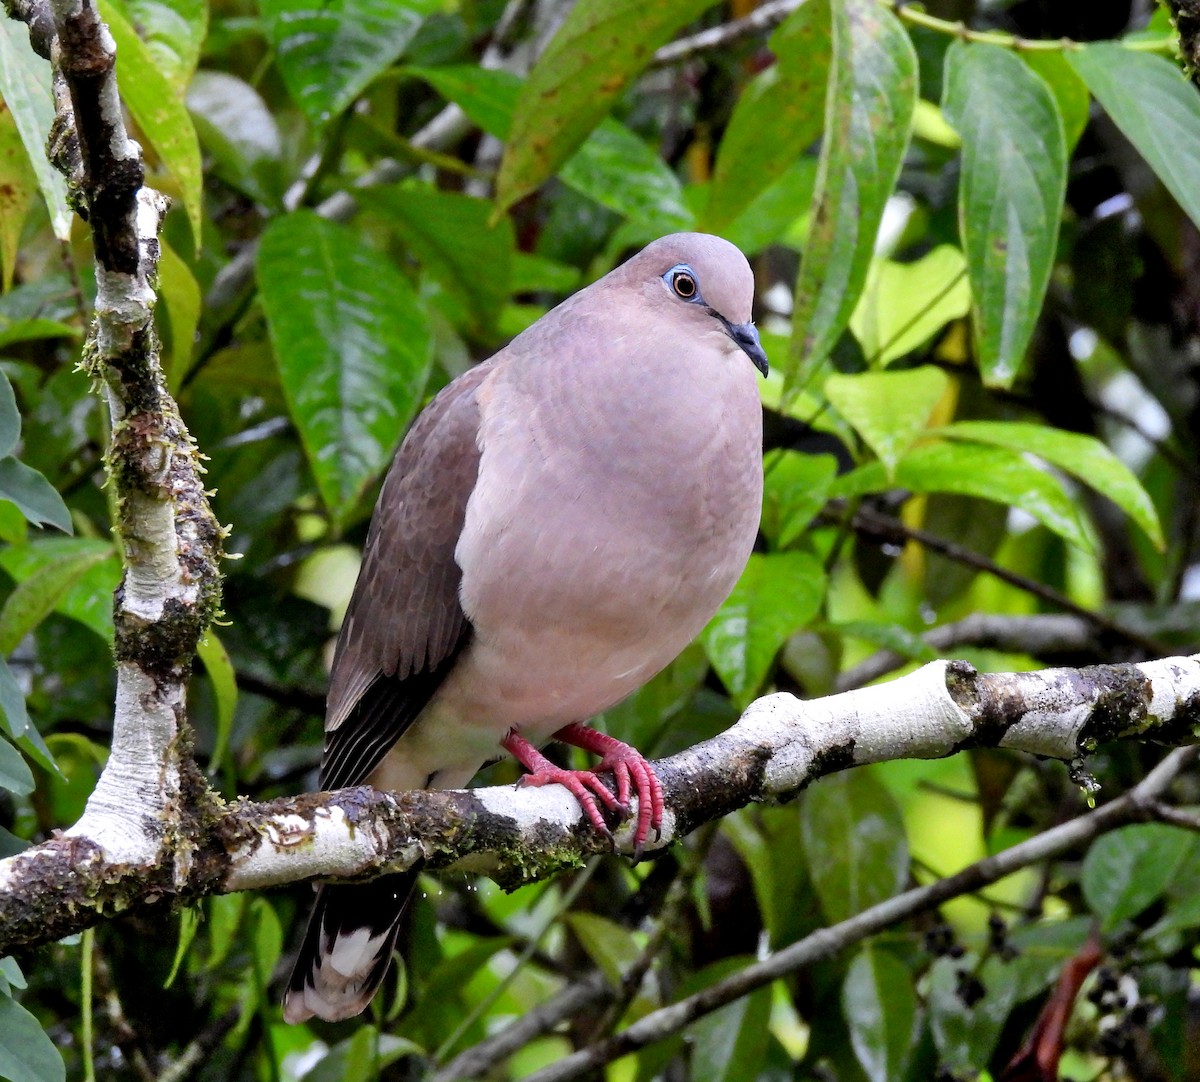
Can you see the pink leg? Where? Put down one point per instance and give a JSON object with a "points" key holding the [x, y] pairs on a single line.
{"points": [[583, 783], [628, 766]]}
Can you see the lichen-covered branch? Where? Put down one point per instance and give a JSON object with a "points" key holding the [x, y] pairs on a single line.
{"points": [[778, 747], [1185, 14], [169, 538]]}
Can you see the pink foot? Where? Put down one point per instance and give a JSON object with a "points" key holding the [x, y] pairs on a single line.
{"points": [[627, 765]]}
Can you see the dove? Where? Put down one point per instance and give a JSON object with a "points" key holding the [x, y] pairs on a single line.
{"points": [[559, 523]]}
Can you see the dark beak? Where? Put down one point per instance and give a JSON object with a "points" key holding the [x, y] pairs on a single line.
{"points": [[746, 336]]}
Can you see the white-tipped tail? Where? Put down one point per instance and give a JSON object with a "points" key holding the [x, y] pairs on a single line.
{"points": [[346, 949]]}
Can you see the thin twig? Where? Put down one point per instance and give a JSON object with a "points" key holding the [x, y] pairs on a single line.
{"points": [[196, 1053], [590, 993], [764, 17], [875, 524], [1177, 817], [1039, 635], [531, 948], [123, 1034], [916, 14]]}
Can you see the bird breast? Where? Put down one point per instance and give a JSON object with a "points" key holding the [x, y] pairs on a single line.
{"points": [[586, 570]]}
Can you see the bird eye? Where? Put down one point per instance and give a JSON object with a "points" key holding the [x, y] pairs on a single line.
{"points": [[684, 285]]}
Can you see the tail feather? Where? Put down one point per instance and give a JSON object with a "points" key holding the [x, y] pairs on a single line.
{"points": [[347, 948]]}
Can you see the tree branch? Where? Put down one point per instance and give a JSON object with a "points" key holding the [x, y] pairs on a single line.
{"points": [[168, 536], [780, 745]]}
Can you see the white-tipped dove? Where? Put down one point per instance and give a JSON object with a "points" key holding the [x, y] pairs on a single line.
{"points": [[558, 524]]}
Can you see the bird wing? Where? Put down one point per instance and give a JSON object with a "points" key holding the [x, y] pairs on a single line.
{"points": [[405, 626]]}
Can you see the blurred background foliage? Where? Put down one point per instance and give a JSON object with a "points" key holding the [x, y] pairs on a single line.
{"points": [[979, 283]]}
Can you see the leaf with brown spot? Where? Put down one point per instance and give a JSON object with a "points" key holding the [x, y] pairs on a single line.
{"points": [[599, 49], [18, 186], [779, 114], [869, 105]]}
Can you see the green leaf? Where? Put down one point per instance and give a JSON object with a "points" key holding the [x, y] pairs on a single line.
{"points": [[1010, 195], [13, 527], [929, 124], [25, 88], [173, 31], [26, 1053], [966, 1035], [1129, 868], [352, 345], [158, 108], [887, 636], [730, 1044], [880, 1008], [239, 134], [868, 118], [783, 888], [189, 925], [39, 595], [225, 913], [441, 1005], [181, 294], [31, 330], [1152, 102], [610, 946], [776, 216], [14, 719], [854, 842], [224, 684], [266, 944], [329, 51], [614, 167], [598, 49], [450, 235], [1069, 90], [488, 97], [643, 718], [11, 975], [990, 473], [89, 600], [10, 419], [15, 776], [903, 305], [785, 101], [795, 487], [18, 185], [619, 171], [352, 1058], [888, 409], [361, 1056], [776, 596], [33, 494], [534, 274], [1044, 948], [1083, 457]]}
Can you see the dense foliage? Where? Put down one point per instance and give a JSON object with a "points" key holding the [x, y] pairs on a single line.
{"points": [[979, 283]]}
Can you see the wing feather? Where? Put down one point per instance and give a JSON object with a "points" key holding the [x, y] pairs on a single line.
{"points": [[405, 626]]}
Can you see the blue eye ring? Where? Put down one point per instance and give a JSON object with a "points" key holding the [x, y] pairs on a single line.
{"points": [[681, 280]]}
